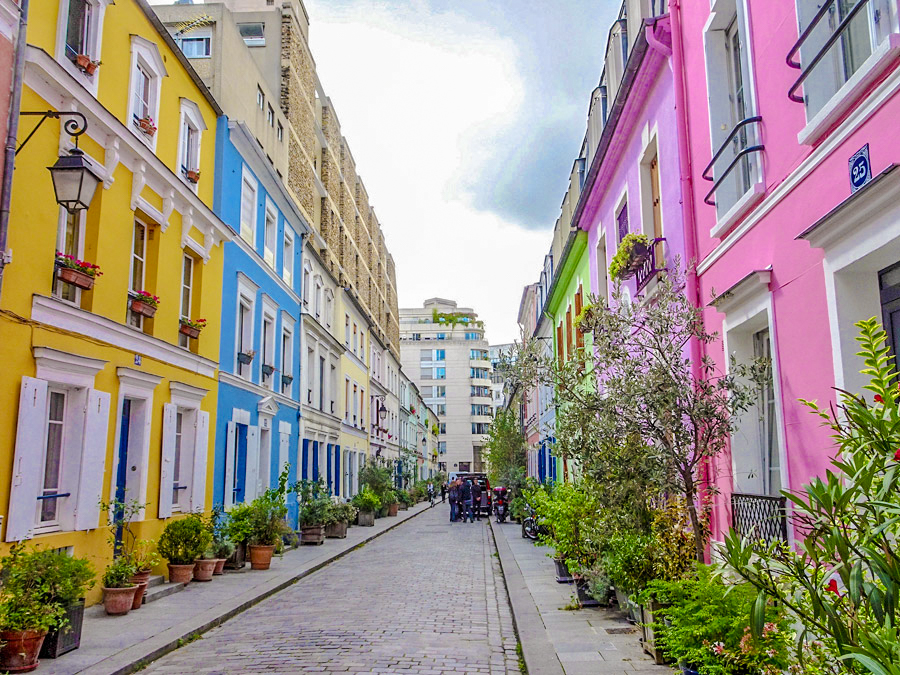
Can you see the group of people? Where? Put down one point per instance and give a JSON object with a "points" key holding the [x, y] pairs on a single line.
{"points": [[465, 500]]}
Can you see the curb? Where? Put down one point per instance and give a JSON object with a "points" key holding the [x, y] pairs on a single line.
{"points": [[169, 640], [537, 651]]}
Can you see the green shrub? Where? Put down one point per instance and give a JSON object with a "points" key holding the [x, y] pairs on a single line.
{"points": [[389, 498], [238, 528], [378, 478], [183, 540], [344, 512], [314, 504], [623, 256], [406, 497], [267, 513], [119, 572], [570, 514], [366, 500], [628, 561]]}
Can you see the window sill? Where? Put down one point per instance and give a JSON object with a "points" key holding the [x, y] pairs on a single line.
{"points": [[749, 199], [149, 141], [850, 93]]}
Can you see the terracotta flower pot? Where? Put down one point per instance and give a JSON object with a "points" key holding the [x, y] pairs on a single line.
{"points": [[261, 557], [393, 509], [142, 308], [190, 331], [139, 591], [180, 574], [139, 577], [118, 600], [312, 534], [220, 566], [203, 569], [19, 653], [366, 519], [75, 277]]}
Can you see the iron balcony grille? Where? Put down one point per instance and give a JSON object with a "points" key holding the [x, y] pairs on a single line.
{"points": [[759, 517], [739, 134], [649, 269], [826, 9]]}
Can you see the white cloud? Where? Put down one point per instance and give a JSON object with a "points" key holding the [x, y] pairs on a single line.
{"points": [[421, 97]]}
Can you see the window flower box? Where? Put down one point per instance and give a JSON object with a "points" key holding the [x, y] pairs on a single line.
{"points": [[144, 303], [267, 370], [633, 252], [246, 358], [287, 379], [79, 273], [192, 176], [145, 124], [85, 64], [191, 327]]}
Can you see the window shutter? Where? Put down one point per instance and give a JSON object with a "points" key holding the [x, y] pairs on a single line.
{"points": [[93, 460], [251, 475], [230, 447], [27, 471], [315, 460], [304, 461], [329, 448], [284, 449], [337, 470], [198, 474], [167, 460]]}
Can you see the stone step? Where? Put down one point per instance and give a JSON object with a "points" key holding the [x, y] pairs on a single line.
{"points": [[161, 591], [156, 580]]}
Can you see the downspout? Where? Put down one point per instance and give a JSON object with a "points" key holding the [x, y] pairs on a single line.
{"points": [[689, 224], [9, 156]]}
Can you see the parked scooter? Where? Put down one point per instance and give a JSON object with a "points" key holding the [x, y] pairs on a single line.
{"points": [[501, 503], [529, 524]]}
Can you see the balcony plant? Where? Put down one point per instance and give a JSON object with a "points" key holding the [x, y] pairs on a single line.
{"points": [[268, 369], [181, 543], [266, 520], [286, 379], [315, 511], [42, 590], [118, 588], [634, 251], [86, 64], [367, 503], [146, 125], [246, 358], [191, 327], [192, 176], [144, 303], [79, 273]]}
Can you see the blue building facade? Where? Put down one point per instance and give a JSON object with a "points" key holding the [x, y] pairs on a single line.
{"points": [[258, 416]]}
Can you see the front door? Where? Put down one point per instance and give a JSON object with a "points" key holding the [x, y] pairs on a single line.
{"points": [[889, 286], [240, 464], [122, 471]]}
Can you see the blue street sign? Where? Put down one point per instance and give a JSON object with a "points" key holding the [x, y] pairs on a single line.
{"points": [[860, 169]]}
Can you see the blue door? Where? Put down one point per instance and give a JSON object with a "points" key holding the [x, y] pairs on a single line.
{"points": [[328, 473], [122, 471], [315, 445], [240, 463], [337, 470], [305, 472]]}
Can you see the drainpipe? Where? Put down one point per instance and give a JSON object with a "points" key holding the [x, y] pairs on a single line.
{"points": [[9, 156], [691, 244]]}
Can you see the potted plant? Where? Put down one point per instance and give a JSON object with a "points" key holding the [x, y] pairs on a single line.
{"points": [[405, 499], [315, 511], [246, 358], [192, 176], [634, 251], [145, 558], [118, 588], [366, 503], [286, 379], [340, 517], [65, 579], [267, 513], [79, 273], [181, 543], [238, 530], [191, 327], [205, 565], [146, 125], [224, 550], [144, 303], [267, 369], [391, 502]]}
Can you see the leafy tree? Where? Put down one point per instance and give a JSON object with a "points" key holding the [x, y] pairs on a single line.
{"points": [[504, 449]]}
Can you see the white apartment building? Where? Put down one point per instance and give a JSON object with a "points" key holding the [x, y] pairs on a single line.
{"points": [[444, 352]]}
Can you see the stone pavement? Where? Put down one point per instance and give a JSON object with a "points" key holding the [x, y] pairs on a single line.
{"points": [[117, 645], [426, 599], [587, 641]]}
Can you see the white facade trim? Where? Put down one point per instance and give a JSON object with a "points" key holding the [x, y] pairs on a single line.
{"points": [[65, 368]]}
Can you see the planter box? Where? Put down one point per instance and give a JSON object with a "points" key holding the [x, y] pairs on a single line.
{"points": [[238, 559], [68, 638], [192, 176], [585, 599], [244, 358], [267, 370], [312, 534], [336, 530], [190, 331], [366, 518], [287, 379], [86, 65], [142, 308], [146, 126], [649, 639], [75, 277], [404, 507], [562, 572], [393, 509]]}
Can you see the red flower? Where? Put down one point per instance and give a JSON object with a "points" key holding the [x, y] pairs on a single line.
{"points": [[832, 587], [897, 455], [878, 399]]}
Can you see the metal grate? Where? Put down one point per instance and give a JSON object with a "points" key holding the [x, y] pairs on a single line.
{"points": [[649, 269], [759, 517]]}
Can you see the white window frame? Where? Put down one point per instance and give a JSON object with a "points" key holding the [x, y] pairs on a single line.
{"points": [[146, 54], [287, 257], [58, 285], [287, 355], [246, 296], [190, 118], [317, 298], [307, 276], [183, 340], [195, 35], [95, 42], [267, 344], [249, 184], [134, 320], [186, 399], [270, 233], [329, 307]]}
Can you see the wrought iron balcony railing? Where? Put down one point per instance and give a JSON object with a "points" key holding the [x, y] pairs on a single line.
{"points": [[827, 7], [654, 264], [759, 517], [739, 128]]}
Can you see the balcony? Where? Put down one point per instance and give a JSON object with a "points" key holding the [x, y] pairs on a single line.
{"points": [[759, 517], [653, 265], [739, 142]]}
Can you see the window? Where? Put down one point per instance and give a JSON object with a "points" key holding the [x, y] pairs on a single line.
{"points": [[245, 336], [195, 47], [287, 353], [440, 355], [442, 448], [187, 285], [53, 456], [79, 29], [442, 427], [248, 208], [426, 374], [440, 391], [260, 98], [270, 116], [253, 34], [622, 222], [440, 408], [271, 235], [355, 404], [279, 132], [441, 336], [329, 307], [355, 338], [347, 400], [480, 427], [287, 260], [70, 241], [362, 408], [138, 261], [141, 92], [192, 126], [440, 373], [768, 440], [307, 273], [177, 487], [147, 71], [268, 351], [318, 298], [473, 336]]}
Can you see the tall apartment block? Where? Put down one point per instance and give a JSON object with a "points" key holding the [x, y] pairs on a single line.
{"points": [[444, 352]]}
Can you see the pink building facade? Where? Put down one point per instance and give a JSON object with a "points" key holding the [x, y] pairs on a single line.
{"points": [[528, 316], [790, 109]]}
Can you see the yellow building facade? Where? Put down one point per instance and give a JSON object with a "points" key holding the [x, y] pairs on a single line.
{"points": [[97, 400], [354, 390]]}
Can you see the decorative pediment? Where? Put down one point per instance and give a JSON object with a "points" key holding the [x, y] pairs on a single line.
{"points": [[267, 406]]}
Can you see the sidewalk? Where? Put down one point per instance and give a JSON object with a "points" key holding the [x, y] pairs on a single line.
{"points": [[556, 641], [118, 645]]}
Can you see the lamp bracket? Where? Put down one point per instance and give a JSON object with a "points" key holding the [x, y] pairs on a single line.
{"points": [[72, 126]]}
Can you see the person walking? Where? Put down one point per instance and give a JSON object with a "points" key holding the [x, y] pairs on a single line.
{"points": [[476, 499], [454, 501], [430, 490], [467, 501], [443, 492]]}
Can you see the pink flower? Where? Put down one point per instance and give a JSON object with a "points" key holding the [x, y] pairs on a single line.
{"points": [[718, 648]]}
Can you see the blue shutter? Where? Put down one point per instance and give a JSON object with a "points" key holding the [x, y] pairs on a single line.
{"points": [[337, 470], [315, 463], [304, 474]]}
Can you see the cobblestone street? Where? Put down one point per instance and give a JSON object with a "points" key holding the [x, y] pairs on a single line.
{"points": [[426, 598]]}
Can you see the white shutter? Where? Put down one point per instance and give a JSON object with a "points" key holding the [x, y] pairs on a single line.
{"points": [[167, 460], [93, 460], [251, 472], [284, 447], [230, 447], [201, 450], [27, 469]]}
